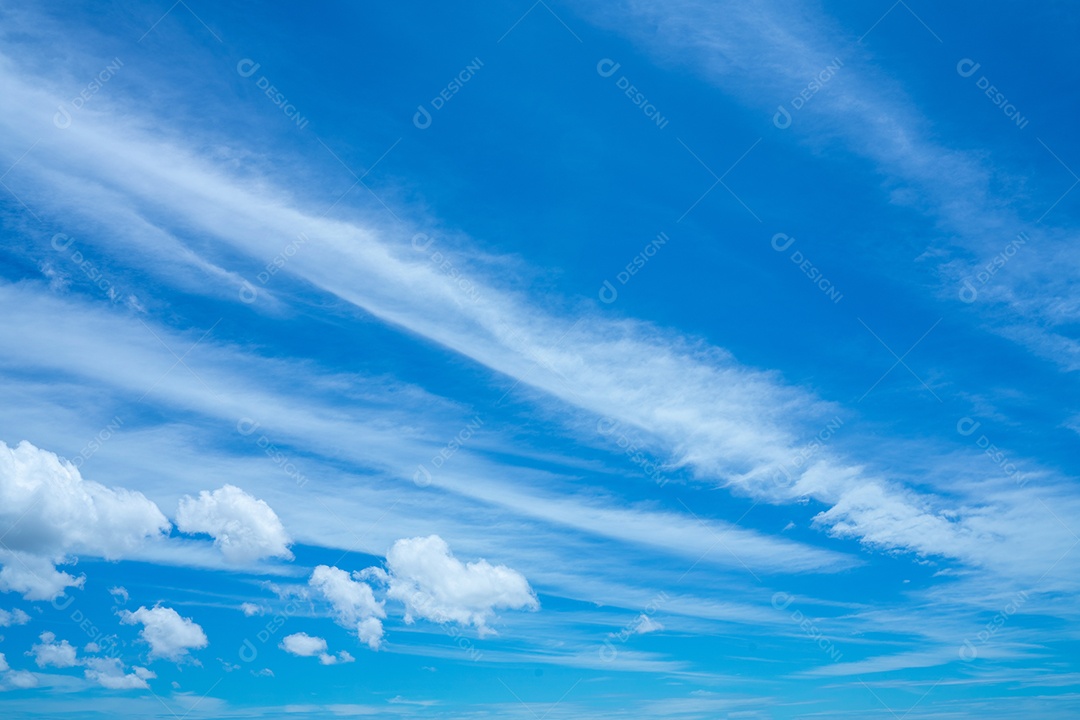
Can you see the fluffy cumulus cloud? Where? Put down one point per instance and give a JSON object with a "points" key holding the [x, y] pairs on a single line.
{"points": [[14, 617], [353, 602], [304, 645], [169, 635], [434, 585], [49, 652], [48, 512], [244, 527], [22, 679], [251, 609], [109, 673]]}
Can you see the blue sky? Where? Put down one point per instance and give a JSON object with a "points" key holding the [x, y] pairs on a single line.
{"points": [[677, 360]]}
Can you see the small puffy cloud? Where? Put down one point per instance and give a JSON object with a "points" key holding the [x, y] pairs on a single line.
{"points": [[243, 527], [353, 602], [433, 584], [4, 667], [21, 679], [250, 609], [119, 594], [48, 512], [305, 645], [49, 652], [265, 672], [341, 657], [109, 673], [169, 635], [14, 617]]}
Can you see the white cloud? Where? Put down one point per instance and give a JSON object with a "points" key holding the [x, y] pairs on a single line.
{"points": [[645, 624], [353, 602], [170, 636], [49, 652], [120, 594], [370, 631], [14, 617], [250, 609], [33, 576], [433, 584], [48, 512], [109, 673], [244, 527], [22, 679], [305, 645], [703, 416], [4, 667]]}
